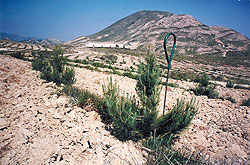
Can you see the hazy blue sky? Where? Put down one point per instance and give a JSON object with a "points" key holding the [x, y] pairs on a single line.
{"points": [[68, 19]]}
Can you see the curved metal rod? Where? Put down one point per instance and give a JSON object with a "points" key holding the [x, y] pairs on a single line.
{"points": [[169, 63]]}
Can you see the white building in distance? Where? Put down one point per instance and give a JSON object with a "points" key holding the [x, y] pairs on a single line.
{"points": [[104, 45]]}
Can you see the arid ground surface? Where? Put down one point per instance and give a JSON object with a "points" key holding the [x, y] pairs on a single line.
{"points": [[38, 125]]}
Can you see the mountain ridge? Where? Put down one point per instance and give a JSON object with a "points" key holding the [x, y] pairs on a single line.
{"points": [[193, 37], [13, 37], [44, 42], [31, 40]]}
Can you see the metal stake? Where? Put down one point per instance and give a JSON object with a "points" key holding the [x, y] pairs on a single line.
{"points": [[169, 63]]}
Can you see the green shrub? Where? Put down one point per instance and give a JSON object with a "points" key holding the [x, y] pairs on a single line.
{"points": [[53, 67], [182, 75], [89, 67], [241, 87], [230, 99], [98, 64], [148, 84], [46, 73], [129, 75], [178, 118], [177, 75], [114, 71], [18, 55], [230, 84], [204, 88], [68, 76], [71, 91], [125, 122], [132, 69], [120, 111], [246, 102], [82, 98], [202, 79], [111, 58], [160, 153], [172, 85], [40, 62], [111, 97], [132, 122], [79, 97], [148, 89], [219, 78], [209, 91]]}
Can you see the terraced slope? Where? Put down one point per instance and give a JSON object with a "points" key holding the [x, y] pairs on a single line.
{"points": [[7, 45], [44, 42]]}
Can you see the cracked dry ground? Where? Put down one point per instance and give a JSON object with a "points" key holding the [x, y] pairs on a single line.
{"points": [[39, 127], [219, 132]]}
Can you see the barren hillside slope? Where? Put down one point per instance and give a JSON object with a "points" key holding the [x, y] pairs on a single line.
{"points": [[150, 27]]}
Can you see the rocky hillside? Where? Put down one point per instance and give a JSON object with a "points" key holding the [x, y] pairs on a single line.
{"points": [[30, 40], [10, 46], [44, 42], [193, 37]]}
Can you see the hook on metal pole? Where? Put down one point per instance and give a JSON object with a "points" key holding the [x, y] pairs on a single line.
{"points": [[169, 63]]}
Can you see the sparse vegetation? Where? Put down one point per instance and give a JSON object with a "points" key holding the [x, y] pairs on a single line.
{"points": [[218, 78], [230, 60], [202, 79], [131, 121], [121, 111], [129, 75], [81, 97], [241, 87], [209, 91], [53, 67], [230, 99], [183, 75], [18, 55], [170, 84], [178, 118], [90, 64], [148, 84], [126, 117], [230, 84], [159, 153], [246, 102], [110, 58], [204, 87]]}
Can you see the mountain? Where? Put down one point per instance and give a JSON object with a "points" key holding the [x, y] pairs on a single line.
{"points": [[150, 27], [44, 42], [12, 37], [31, 40]]}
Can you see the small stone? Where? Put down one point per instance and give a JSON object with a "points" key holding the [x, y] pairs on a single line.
{"points": [[3, 124]]}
